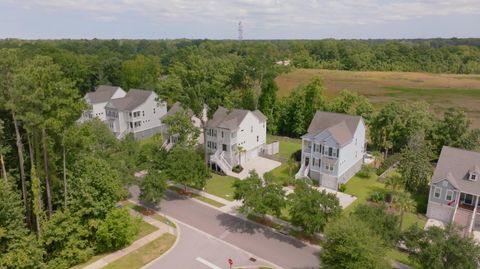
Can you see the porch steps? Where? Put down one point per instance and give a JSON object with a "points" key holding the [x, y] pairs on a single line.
{"points": [[462, 219]]}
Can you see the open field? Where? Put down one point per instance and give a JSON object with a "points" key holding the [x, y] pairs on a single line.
{"points": [[439, 90]]}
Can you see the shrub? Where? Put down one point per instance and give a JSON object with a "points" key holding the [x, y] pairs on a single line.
{"points": [[237, 168], [350, 243], [377, 197], [342, 187], [366, 172], [117, 230], [389, 161], [297, 155], [379, 220]]}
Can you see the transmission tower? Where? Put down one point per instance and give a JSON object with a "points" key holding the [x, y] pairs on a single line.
{"points": [[240, 31]]}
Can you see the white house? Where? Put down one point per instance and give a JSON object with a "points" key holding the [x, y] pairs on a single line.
{"points": [[234, 137], [97, 101], [333, 149], [455, 190], [138, 112], [176, 108]]}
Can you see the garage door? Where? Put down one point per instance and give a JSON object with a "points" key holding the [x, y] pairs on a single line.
{"points": [[329, 182]]}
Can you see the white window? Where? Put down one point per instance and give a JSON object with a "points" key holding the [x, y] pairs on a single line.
{"points": [[449, 195], [136, 114], [329, 167], [436, 192]]}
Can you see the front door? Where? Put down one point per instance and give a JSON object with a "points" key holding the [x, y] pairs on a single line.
{"points": [[224, 147], [307, 161]]}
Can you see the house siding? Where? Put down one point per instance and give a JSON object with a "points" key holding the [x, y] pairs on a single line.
{"points": [[245, 136], [348, 161], [438, 208]]}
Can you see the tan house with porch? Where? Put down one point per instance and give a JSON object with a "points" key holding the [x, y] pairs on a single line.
{"points": [[455, 189]]}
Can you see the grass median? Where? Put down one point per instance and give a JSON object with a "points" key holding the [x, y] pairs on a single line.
{"points": [[145, 254]]}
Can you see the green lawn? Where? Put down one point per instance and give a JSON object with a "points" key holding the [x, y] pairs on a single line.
{"points": [[362, 188], [145, 254], [220, 186], [144, 229], [287, 145], [281, 174]]}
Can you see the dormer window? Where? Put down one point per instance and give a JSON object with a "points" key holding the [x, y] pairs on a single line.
{"points": [[473, 176]]}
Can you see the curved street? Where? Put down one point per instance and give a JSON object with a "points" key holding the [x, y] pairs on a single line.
{"points": [[263, 243]]}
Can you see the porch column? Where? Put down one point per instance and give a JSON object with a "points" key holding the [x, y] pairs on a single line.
{"points": [[472, 221]]}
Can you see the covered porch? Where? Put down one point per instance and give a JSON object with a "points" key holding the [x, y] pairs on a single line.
{"points": [[466, 214]]}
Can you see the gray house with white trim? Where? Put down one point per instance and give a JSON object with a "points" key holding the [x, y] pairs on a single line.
{"points": [[333, 149], [455, 189]]}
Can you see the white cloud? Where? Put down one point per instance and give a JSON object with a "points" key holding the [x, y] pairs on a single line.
{"points": [[266, 13]]}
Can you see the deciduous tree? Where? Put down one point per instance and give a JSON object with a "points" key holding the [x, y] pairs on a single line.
{"points": [[350, 243], [311, 209]]}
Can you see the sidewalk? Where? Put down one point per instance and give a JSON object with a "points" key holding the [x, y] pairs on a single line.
{"points": [[162, 228]]}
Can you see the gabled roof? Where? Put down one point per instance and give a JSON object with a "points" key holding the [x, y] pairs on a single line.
{"points": [[455, 166], [177, 107], [342, 127], [132, 100], [102, 93], [231, 119]]}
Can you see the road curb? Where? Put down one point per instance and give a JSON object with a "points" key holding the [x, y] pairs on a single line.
{"points": [[176, 221], [178, 234]]}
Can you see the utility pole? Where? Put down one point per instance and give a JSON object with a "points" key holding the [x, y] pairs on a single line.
{"points": [[240, 31]]}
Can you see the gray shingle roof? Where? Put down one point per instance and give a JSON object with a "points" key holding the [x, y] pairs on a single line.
{"points": [[454, 165], [132, 100], [102, 93], [342, 127], [177, 107], [231, 119]]}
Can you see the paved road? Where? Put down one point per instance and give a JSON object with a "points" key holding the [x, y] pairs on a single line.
{"points": [[198, 250], [282, 250]]}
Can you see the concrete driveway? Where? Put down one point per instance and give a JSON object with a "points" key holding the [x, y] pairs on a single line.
{"points": [[345, 199], [259, 164]]}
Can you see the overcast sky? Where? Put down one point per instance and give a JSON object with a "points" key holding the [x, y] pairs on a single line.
{"points": [[218, 19]]}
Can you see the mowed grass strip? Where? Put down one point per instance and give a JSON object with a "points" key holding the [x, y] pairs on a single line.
{"points": [[196, 196], [154, 215], [144, 254]]}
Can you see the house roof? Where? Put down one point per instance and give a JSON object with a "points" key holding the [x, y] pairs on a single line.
{"points": [[132, 100], [231, 119], [342, 127], [102, 93], [177, 107], [455, 165]]}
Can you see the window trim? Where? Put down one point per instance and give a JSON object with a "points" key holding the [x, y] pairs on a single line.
{"points": [[446, 195], [435, 192]]}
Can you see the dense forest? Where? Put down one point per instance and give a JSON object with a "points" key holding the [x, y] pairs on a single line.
{"points": [[61, 181]]}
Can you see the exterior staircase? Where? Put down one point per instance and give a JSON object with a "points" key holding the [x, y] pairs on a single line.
{"points": [[303, 172], [462, 220], [219, 159], [167, 145]]}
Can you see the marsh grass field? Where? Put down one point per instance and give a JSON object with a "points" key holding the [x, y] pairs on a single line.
{"points": [[441, 91]]}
